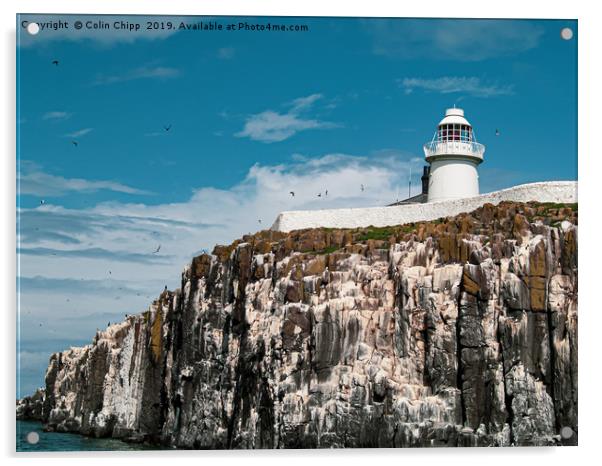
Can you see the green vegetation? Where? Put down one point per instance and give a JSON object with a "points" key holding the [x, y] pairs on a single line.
{"points": [[384, 233], [550, 211], [560, 205], [408, 228], [549, 206], [377, 233]]}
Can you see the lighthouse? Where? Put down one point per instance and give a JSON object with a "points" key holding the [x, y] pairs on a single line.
{"points": [[454, 155]]}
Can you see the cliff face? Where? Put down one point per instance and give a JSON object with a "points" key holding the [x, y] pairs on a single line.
{"points": [[459, 332]]}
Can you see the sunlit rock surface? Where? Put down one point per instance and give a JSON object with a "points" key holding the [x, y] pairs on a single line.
{"points": [[456, 332]]}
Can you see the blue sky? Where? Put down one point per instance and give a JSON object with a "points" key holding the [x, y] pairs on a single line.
{"points": [[252, 116]]}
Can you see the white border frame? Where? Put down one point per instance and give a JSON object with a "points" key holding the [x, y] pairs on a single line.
{"points": [[590, 189]]}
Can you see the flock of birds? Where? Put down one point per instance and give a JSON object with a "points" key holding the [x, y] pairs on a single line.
{"points": [[75, 142], [167, 128], [292, 193]]}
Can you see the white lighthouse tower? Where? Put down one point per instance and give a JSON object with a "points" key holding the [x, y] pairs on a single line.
{"points": [[454, 155]]}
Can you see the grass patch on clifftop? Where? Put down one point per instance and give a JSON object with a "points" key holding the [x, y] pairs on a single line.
{"points": [[382, 233], [547, 207], [385, 233]]}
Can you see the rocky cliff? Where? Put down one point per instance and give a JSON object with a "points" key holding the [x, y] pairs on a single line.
{"points": [[456, 332]]}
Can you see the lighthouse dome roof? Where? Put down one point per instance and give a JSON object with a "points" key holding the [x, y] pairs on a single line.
{"points": [[454, 116]]}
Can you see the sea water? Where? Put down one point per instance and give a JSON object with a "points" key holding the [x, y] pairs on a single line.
{"points": [[57, 441]]}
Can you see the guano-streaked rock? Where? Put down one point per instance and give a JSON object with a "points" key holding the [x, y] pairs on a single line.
{"points": [[458, 332]]}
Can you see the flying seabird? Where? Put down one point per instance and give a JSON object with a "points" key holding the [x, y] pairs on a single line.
{"points": [[167, 128], [75, 143], [55, 62], [157, 250], [497, 132], [362, 187], [292, 193]]}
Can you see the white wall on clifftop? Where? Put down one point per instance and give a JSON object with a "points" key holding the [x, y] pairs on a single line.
{"points": [[549, 191]]}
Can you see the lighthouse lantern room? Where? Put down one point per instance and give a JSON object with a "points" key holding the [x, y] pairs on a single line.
{"points": [[453, 155]]}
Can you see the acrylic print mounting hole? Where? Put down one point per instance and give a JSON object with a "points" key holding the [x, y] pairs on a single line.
{"points": [[33, 28], [32, 437], [566, 33]]}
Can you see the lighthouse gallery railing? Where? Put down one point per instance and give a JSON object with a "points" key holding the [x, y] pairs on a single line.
{"points": [[472, 149]]}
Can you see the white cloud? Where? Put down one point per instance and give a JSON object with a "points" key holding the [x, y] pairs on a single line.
{"points": [[79, 133], [56, 116], [452, 39], [145, 72], [35, 182], [304, 103], [271, 126], [124, 232], [456, 84]]}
